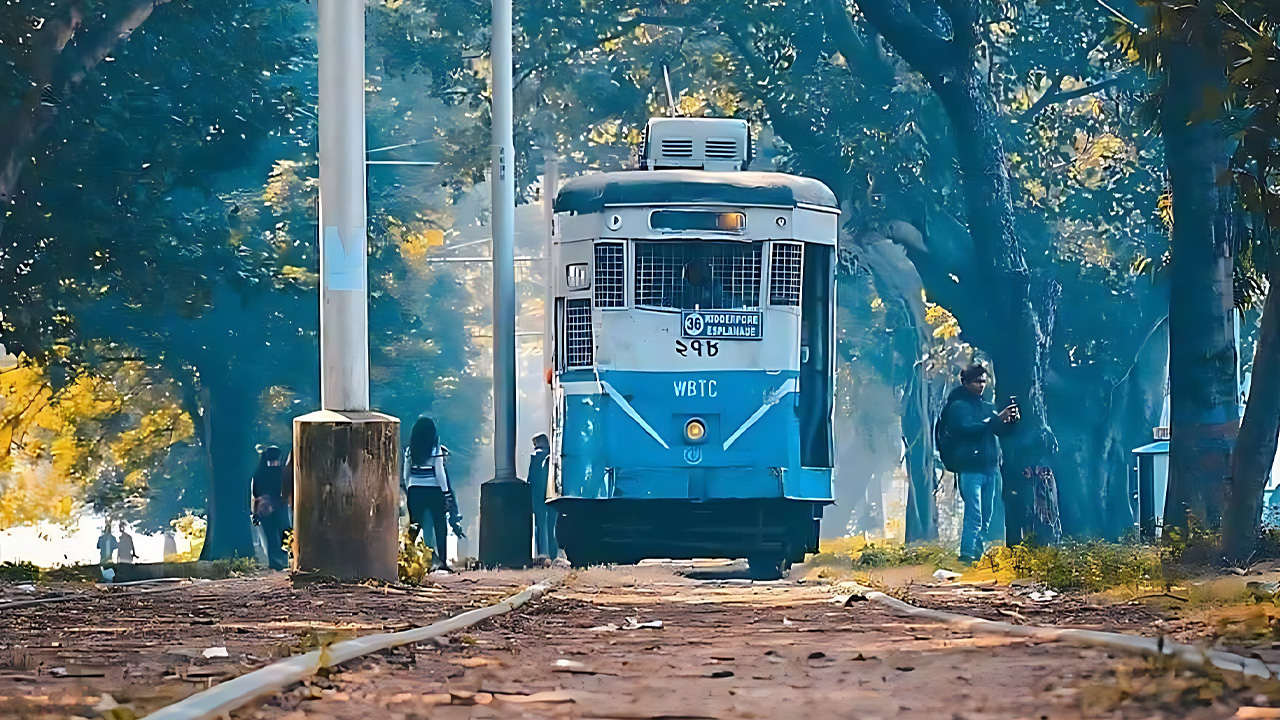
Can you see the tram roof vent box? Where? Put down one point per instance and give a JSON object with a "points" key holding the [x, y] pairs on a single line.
{"points": [[717, 144]]}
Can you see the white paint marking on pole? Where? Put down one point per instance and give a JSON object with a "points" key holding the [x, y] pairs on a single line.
{"points": [[344, 309], [344, 253]]}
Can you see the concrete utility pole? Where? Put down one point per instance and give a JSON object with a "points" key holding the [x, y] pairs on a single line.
{"points": [[345, 456], [506, 520], [550, 187]]}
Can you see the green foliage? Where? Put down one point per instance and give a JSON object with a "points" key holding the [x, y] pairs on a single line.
{"points": [[19, 572], [1091, 566], [855, 552], [414, 562]]}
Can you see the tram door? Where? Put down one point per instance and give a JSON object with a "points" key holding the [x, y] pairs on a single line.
{"points": [[817, 364]]}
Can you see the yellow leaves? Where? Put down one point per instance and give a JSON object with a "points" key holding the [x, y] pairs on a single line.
{"points": [[1164, 209], [691, 106], [1035, 190], [285, 182], [414, 240], [191, 530], [1002, 30], [300, 275], [155, 432], [32, 494], [727, 101], [1098, 159], [116, 419], [605, 133], [945, 325]]}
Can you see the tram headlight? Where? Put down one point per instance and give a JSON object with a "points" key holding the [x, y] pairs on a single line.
{"points": [[695, 430]]}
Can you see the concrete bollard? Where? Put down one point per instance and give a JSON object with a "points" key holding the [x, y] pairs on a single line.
{"points": [[346, 495]]}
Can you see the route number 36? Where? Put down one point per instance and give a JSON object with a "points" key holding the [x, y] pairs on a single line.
{"points": [[700, 348]]}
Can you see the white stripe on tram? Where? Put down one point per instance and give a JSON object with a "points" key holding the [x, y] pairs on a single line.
{"points": [[774, 398], [626, 407]]}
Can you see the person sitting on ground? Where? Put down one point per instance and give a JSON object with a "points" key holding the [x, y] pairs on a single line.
{"points": [[969, 444], [427, 490]]}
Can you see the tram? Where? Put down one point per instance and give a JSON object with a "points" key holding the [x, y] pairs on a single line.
{"points": [[693, 347]]}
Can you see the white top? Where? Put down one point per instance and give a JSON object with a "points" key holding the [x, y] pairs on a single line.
{"points": [[431, 475]]}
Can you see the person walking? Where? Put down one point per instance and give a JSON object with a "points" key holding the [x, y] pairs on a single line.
{"points": [[968, 441], [125, 554], [170, 545], [544, 516], [268, 505], [428, 494], [106, 545]]}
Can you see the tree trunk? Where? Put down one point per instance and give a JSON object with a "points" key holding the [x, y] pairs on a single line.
{"points": [[1013, 323], [922, 511], [230, 417], [1255, 449], [899, 285], [1204, 409], [1011, 329], [1101, 419]]}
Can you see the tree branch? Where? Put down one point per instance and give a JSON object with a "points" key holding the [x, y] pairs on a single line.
{"points": [[548, 61], [1055, 96], [926, 52], [85, 53], [849, 42], [63, 55], [964, 21]]}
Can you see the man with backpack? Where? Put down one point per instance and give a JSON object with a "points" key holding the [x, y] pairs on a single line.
{"points": [[967, 437]]}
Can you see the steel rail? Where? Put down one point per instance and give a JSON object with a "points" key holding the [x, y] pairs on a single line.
{"points": [[237, 692]]}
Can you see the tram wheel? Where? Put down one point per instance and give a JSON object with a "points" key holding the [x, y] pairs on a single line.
{"points": [[768, 567]]}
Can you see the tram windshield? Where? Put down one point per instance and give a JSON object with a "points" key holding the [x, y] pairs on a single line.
{"points": [[701, 274]]}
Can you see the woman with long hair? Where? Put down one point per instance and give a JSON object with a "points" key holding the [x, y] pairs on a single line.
{"points": [[426, 486]]}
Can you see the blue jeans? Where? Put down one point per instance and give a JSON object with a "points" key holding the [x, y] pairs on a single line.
{"points": [[978, 491]]}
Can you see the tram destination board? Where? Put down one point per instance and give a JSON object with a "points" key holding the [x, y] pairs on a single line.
{"points": [[722, 324]]}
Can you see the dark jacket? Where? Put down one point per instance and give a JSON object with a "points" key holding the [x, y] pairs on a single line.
{"points": [[973, 426], [268, 480]]}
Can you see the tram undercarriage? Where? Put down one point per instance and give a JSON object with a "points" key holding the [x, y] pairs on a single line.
{"points": [[772, 533]]}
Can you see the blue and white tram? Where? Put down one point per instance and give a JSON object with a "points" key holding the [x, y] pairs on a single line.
{"points": [[694, 355]]}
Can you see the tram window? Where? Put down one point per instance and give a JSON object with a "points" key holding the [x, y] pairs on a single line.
{"points": [[680, 220], [579, 341], [576, 276], [784, 274], [610, 271], [701, 274]]}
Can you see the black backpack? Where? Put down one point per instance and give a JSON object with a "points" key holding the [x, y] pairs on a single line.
{"points": [[944, 440]]}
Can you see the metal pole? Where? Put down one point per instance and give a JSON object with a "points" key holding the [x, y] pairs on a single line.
{"points": [[344, 313], [506, 512], [504, 278], [550, 186]]}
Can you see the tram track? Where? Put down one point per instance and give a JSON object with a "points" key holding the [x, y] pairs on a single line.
{"points": [[646, 642], [641, 643]]}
